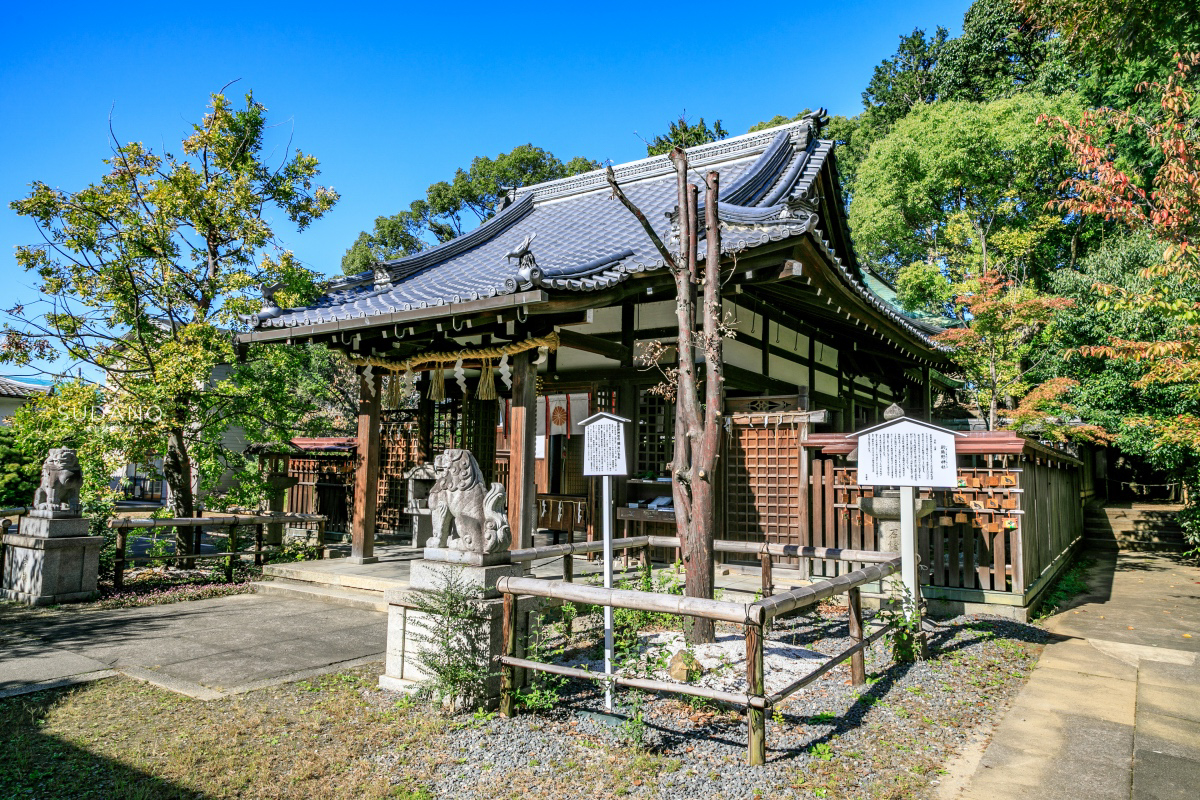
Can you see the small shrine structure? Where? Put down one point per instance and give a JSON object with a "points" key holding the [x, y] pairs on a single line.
{"points": [[515, 332]]}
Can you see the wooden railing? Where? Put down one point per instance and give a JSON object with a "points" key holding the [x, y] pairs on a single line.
{"points": [[229, 522], [753, 617]]}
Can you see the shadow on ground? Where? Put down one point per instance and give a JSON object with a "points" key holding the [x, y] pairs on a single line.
{"points": [[40, 764]]}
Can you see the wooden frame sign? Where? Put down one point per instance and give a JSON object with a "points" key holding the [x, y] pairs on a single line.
{"points": [[907, 452], [604, 445]]}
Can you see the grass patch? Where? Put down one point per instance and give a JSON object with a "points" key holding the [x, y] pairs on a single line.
{"points": [[1066, 587], [123, 738]]}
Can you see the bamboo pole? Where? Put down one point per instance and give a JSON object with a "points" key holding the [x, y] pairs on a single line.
{"points": [[785, 602], [630, 598], [644, 684], [858, 667], [756, 718], [573, 548], [508, 673], [799, 684], [754, 548]]}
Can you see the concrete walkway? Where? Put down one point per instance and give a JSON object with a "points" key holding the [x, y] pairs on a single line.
{"points": [[1113, 708], [203, 648]]}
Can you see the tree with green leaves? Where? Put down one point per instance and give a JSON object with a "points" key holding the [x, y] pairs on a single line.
{"points": [[684, 133], [143, 275], [20, 473], [1000, 54], [451, 207], [960, 189], [1005, 338]]}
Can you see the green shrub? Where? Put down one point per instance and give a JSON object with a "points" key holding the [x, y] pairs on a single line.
{"points": [[19, 473], [456, 655]]}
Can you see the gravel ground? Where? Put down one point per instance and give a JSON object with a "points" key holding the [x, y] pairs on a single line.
{"points": [[888, 739]]}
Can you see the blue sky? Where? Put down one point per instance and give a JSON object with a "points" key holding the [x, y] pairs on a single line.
{"points": [[393, 97]]}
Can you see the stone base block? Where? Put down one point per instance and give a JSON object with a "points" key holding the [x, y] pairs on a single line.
{"points": [[53, 527], [409, 630], [425, 574], [44, 571], [468, 558]]}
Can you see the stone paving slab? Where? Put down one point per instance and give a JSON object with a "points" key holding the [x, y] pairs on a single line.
{"points": [[203, 648], [1113, 708]]}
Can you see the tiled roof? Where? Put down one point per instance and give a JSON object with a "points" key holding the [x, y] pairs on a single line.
{"points": [[582, 239], [15, 388]]}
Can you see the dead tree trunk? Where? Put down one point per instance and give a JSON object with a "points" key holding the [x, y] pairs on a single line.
{"points": [[697, 424]]}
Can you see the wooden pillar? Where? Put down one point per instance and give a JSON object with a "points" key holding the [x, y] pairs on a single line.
{"points": [[521, 488], [756, 718], [366, 473], [858, 666], [508, 673]]}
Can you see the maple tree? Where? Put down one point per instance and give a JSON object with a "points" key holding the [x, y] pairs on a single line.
{"points": [[1167, 209], [1003, 341]]}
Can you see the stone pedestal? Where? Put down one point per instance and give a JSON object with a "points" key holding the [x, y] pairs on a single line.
{"points": [[408, 629], [51, 561], [477, 571]]}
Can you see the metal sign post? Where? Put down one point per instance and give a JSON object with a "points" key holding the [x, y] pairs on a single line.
{"points": [[604, 455]]}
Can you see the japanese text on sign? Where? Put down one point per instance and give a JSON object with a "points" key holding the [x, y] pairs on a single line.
{"points": [[907, 455], [604, 448]]}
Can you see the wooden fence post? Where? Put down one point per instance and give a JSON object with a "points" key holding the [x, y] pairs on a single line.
{"points": [[119, 563], [768, 579], [321, 539], [858, 667], [756, 718], [233, 544], [568, 568], [508, 673], [258, 544]]}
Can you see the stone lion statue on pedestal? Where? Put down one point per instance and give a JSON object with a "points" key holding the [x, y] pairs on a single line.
{"points": [[466, 514], [62, 478]]}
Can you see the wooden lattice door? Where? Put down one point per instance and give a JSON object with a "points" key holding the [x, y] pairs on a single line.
{"points": [[765, 497]]}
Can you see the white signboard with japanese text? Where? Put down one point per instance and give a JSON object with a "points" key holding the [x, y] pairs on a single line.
{"points": [[907, 453], [604, 445]]}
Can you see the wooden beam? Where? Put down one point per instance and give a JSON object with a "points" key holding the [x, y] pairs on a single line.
{"points": [[593, 344], [522, 430], [366, 473], [746, 379]]}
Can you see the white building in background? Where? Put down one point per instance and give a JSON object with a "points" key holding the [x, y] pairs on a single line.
{"points": [[16, 392]]}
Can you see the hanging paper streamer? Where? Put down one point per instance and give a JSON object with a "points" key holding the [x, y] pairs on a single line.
{"points": [[505, 372], [437, 387], [543, 354], [369, 377], [487, 382], [460, 376]]}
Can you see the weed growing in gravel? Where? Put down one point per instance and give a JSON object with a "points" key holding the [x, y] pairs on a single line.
{"points": [[546, 643], [633, 728]]}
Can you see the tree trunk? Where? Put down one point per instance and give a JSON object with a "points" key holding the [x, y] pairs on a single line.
{"points": [[700, 581], [177, 470]]}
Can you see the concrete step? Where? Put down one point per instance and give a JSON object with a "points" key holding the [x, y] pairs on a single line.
{"points": [[337, 574], [352, 598]]}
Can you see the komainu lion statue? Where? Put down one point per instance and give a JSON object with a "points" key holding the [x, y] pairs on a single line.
{"points": [[464, 509], [61, 479]]}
